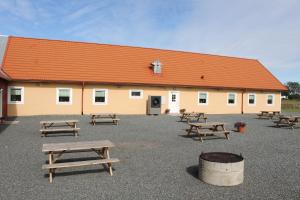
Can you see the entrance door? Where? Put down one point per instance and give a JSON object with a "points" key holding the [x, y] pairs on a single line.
{"points": [[1, 91], [174, 101]]}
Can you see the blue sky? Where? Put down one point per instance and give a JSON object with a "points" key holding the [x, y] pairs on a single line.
{"points": [[267, 30]]}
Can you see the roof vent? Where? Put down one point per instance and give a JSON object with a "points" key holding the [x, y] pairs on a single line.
{"points": [[156, 65]]}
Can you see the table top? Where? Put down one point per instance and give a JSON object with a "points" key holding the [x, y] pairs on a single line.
{"points": [[207, 124], [58, 121], [75, 146]]}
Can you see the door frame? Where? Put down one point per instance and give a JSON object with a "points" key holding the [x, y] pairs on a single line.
{"points": [[170, 100]]}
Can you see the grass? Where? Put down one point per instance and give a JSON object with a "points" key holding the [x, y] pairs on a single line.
{"points": [[290, 106]]}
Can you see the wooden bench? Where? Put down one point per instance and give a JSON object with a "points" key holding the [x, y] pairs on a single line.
{"points": [[104, 118], [56, 150], [51, 127]]}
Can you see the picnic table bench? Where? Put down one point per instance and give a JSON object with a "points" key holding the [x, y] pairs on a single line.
{"points": [[193, 116], [268, 114], [104, 118], [209, 128], [56, 150], [59, 126], [288, 121]]}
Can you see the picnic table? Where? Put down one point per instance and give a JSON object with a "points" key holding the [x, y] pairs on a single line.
{"points": [[56, 150], [59, 126], [193, 116], [288, 121], [268, 114], [209, 128], [104, 118]]}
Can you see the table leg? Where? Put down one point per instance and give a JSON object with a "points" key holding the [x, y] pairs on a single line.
{"points": [[50, 170], [200, 134], [75, 131], [190, 130], [106, 155]]}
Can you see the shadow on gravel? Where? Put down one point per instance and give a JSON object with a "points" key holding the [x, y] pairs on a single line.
{"points": [[193, 171], [87, 171], [4, 126]]}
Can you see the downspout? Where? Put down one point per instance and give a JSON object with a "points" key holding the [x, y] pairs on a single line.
{"points": [[242, 109], [82, 93]]}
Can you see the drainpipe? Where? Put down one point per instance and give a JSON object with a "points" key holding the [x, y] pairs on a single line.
{"points": [[242, 109], [82, 90]]}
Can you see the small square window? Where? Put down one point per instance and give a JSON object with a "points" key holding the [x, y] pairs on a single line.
{"points": [[100, 96], [64, 96], [15, 95], [231, 98], [135, 94], [203, 98]]}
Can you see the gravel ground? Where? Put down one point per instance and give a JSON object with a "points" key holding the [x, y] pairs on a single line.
{"points": [[156, 161]]}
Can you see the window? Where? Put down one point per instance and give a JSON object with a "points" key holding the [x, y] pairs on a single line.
{"points": [[231, 99], [100, 96], [64, 96], [270, 99], [173, 97], [251, 99], [135, 94], [202, 98], [15, 95]]}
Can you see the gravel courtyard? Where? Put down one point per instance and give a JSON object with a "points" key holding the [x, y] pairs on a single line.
{"points": [[157, 161]]}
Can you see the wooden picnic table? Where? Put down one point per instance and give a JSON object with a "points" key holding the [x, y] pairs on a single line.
{"points": [[211, 127], [268, 114], [104, 118], [289, 121], [56, 150], [193, 116], [59, 126]]}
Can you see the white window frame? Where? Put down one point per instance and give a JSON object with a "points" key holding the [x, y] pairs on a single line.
{"points": [[235, 98], [254, 104], [106, 96], [202, 104], [136, 97], [64, 103], [9, 93], [273, 102]]}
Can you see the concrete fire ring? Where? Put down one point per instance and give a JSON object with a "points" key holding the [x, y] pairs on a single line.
{"points": [[221, 168]]}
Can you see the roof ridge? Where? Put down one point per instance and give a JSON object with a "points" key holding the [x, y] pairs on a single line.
{"points": [[137, 47]]}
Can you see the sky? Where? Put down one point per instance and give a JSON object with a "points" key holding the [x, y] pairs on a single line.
{"points": [[266, 30]]}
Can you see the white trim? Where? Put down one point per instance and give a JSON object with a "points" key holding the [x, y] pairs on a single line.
{"points": [[170, 100], [202, 104], [136, 97], [235, 98], [22, 95], [273, 100], [106, 96], [254, 104], [64, 103]]}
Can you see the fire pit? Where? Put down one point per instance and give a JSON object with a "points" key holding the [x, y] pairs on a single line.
{"points": [[221, 168]]}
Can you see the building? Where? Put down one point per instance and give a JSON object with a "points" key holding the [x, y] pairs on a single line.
{"points": [[49, 77]]}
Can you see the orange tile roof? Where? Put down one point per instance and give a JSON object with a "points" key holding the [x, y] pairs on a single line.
{"points": [[54, 60]]}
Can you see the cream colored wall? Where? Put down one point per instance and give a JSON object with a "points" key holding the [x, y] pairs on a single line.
{"points": [[40, 99], [261, 102], [119, 101]]}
